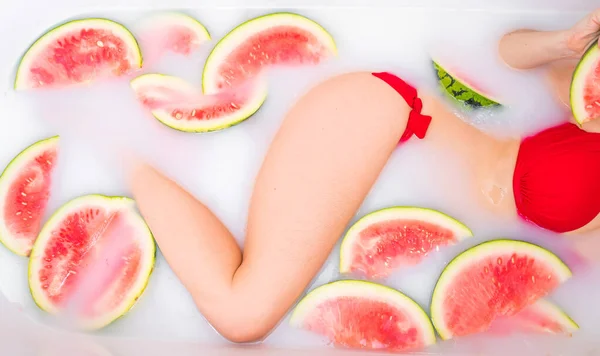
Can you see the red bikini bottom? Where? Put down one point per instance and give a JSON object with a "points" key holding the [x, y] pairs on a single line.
{"points": [[417, 123]]}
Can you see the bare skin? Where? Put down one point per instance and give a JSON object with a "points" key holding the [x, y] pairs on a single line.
{"points": [[317, 172]]}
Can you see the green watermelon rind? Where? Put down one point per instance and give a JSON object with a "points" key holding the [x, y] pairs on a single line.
{"points": [[240, 32], [578, 82], [193, 22], [123, 202], [56, 32], [370, 290], [397, 212], [456, 88], [483, 250], [12, 168], [164, 117], [556, 313]]}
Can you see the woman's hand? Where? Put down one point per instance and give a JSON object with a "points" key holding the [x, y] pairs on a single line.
{"points": [[583, 34]]}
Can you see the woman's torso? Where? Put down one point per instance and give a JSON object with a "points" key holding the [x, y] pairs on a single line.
{"points": [[490, 161]]}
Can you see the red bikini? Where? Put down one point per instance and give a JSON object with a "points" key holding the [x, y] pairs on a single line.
{"points": [[556, 180], [417, 123]]}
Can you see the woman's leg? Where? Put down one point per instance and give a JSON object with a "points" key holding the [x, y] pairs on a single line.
{"points": [[322, 163]]}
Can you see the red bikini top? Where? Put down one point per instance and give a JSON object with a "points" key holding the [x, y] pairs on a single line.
{"points": [[557, 178]]}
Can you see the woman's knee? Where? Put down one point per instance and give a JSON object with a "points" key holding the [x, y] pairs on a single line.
{"points": [[242, 323]]}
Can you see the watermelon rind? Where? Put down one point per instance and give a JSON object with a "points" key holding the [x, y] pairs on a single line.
{"points": [[555, 313], [590, 58], [13, 168], [481, 251], [163, 116], [459, 90], [461, 231], [189, 21], [147, 265], [237, 36], [57, 32], [368, 290]]}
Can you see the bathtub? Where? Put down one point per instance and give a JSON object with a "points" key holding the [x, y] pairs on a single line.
{"points": [[166, 322]]}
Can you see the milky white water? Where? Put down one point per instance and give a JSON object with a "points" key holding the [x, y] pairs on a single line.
{"points": [[219, 168]]}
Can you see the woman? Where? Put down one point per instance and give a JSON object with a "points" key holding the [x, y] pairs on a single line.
{"points": [[305, 195]]}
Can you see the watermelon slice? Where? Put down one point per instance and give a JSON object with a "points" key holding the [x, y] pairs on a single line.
{"points": [[585, 86], [173, 31], [495, 278], [77, 52], [270, 40], [458, 89], [400, 236], [541, 317], [364, 315], [181, 106], [92, 260], [25, 188]]}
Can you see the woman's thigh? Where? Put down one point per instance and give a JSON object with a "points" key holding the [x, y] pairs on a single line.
{"points": [[327, 155]]}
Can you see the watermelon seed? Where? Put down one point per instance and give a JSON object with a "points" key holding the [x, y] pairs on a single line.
{"points": [[589, 107], [18, 213], [499, 260], [597, 103], [533, 279], [47, 161], [549, 277], [43, 278], [45, 286], [24, 203], [100, 44], [23, 194], [486, 270]]}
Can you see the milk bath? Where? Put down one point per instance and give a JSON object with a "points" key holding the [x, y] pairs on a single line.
{"points": [[219, 168]]}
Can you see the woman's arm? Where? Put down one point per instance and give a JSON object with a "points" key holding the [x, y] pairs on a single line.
{"points": [[325, 158], [526, 49]]}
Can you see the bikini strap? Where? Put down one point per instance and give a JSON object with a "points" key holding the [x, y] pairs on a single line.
{"points": [[417, 123]]}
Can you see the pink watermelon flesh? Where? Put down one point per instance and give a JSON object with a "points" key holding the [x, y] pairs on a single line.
{"points": [[278, 45], [362, 323], [591, 94], [496, 286], [184, 105], [27, 197], [387, 245], [177, 38], [79, 56], [78, 274], [528, 320]]}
